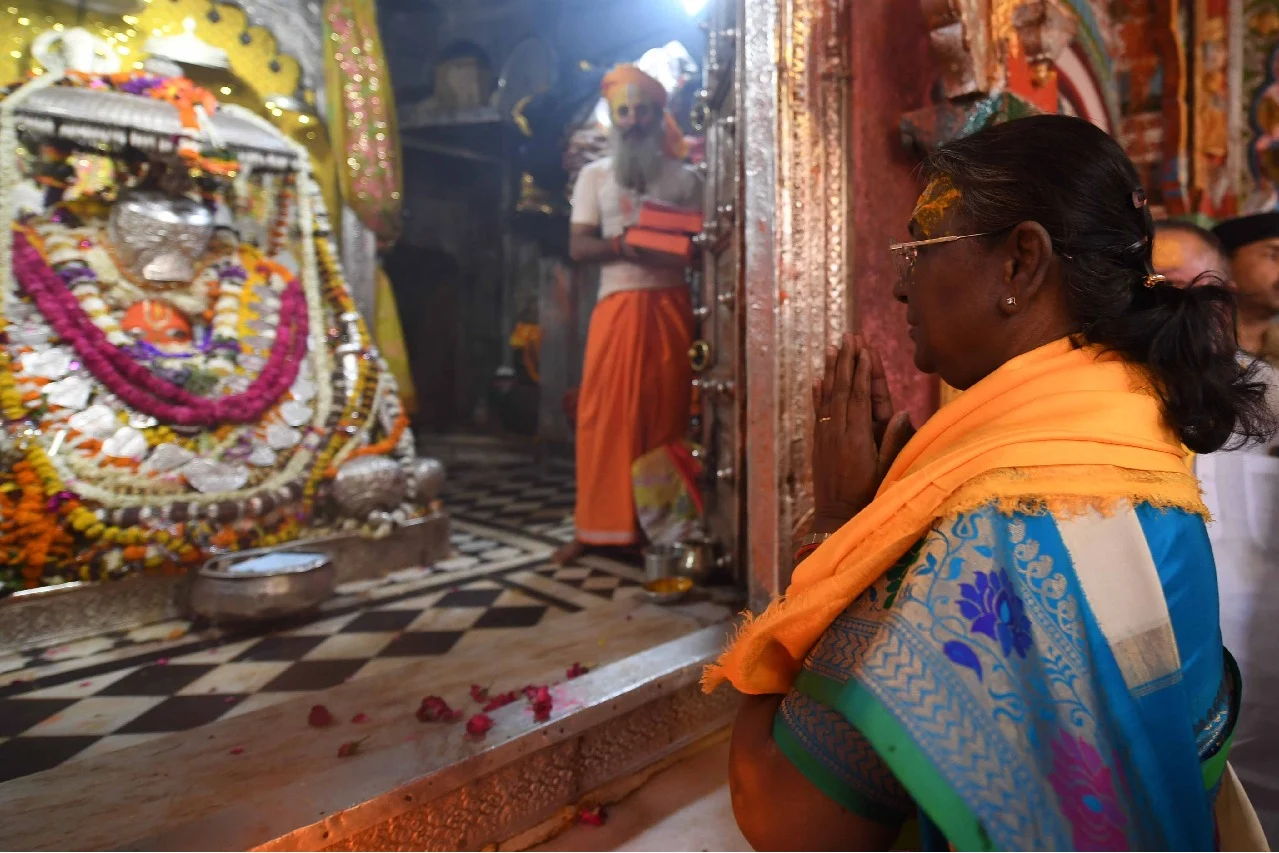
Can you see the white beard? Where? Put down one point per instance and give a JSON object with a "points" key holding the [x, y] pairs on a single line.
{"points": [[637, 163]]}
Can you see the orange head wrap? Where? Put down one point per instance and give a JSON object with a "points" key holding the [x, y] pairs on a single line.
{"points": [[628, 85]]}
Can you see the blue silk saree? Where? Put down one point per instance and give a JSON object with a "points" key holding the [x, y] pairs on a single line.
{"points": [[1023, 682]]}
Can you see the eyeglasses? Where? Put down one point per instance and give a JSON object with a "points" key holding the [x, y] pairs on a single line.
{"points": [[904, 254]]}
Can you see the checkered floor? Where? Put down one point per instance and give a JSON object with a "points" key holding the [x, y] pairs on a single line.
{"points": [[536, 500], [82, 699]]}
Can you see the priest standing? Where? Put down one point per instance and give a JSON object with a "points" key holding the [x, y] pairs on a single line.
{"points": [[636, 380]]}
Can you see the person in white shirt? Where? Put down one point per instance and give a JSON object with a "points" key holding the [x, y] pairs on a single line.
{"points": [[637, 380], [1241, 490]]}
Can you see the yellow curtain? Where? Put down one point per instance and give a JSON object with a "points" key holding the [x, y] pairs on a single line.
{"points": [[362, 116], [390, 339]]}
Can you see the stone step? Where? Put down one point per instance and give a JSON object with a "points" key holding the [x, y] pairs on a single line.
{"points": [[267, 780]]}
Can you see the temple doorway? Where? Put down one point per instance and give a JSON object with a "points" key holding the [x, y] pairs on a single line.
{"points": [[496, 130]]}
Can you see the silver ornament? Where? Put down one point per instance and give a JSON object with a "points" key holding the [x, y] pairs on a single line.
{"points": [[69, 393], [169, 457], [208, 476], [125, 443], [47, 364], [425, 479], [296, 414], [97, 421], [261, 456], [282, 437], [367, 484], [303, 390], [159, 237]]}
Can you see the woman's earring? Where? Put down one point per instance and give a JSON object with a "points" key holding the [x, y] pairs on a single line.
{"points": [[1011, 301]]}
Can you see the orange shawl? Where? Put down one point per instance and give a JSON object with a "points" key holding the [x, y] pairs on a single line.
{"points": [[1059, 429]]}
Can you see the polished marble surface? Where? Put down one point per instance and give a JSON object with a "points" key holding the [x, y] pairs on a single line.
{"points": [[495, 594]]}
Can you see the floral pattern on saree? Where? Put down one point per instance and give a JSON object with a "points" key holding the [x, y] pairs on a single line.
{"points": [[980, 654]]}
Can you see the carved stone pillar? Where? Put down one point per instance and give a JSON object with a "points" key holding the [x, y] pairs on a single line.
{"points": [[959, 31]]}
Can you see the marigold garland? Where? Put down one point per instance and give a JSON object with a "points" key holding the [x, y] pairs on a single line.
{"points": [[359, 400], [386, 445]]}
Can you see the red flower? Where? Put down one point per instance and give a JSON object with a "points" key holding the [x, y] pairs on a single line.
{"points": [[541, 702], [360, 718], [435, 710], [479, 725], [577, 671], [319, 717], [500, 701], [593, 816], [479, 694]]}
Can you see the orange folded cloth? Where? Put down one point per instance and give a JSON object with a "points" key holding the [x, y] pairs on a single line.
{"points": [[648, 240], [658, 216]]}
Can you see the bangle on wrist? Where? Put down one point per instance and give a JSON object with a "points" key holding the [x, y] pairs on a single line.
{"points": [[809, 544], [617, 245]]}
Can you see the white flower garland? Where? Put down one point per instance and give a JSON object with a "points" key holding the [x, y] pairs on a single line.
{"points": [[8, 179]]}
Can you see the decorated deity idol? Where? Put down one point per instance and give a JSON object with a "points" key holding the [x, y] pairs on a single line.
{"points": [[182, 369]]}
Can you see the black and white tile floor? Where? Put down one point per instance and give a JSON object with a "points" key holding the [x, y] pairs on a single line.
{"points": [[111, 691]]}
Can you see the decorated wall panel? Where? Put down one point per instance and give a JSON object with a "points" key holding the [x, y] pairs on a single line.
{"points": [[1259, 109]]}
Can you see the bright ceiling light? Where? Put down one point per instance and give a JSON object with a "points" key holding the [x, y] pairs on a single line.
{"points": [[692, 7]]}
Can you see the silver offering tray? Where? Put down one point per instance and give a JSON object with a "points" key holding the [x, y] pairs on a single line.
{"points": [[265, 583], [93, 117]]}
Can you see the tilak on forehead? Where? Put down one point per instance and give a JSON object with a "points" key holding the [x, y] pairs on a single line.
{"points": [[938, 198]]}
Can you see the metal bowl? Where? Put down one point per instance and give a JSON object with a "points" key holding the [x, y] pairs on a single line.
{"points": [[695, 558], [659, 562], [261, 585], [667, 590]]}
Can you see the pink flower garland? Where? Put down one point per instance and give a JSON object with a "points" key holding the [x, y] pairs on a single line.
{"points": [[139, 387]]}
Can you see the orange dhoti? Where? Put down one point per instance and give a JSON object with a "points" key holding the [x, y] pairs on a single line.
{"points": [[635, 397]]}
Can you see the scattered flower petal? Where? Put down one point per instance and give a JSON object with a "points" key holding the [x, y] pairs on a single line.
{"points": [[541, 702], [577, 671], [351, 747], [435, 710], [500, 701], [360, 718], [479, 694], [85, 683], [230, 700], [593, 816], [237, 750], [319, 717], [479, 725], [162, 662]]}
